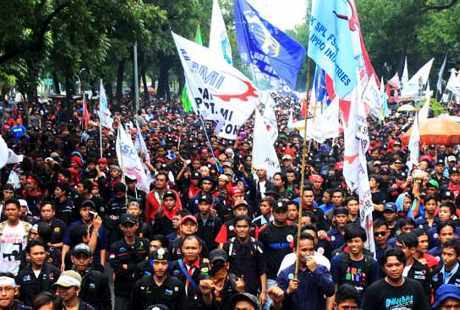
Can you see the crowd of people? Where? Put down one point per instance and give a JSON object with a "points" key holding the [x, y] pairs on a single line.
{"points": [[215, 232]]}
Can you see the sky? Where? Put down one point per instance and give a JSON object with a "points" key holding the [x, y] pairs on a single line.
{"points": [[284, 14]]}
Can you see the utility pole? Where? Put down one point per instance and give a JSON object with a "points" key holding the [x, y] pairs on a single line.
{"points": [[136, 79]]}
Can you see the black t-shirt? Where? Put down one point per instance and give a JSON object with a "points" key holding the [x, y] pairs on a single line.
{"points": [[383, 296], [277, 242]]}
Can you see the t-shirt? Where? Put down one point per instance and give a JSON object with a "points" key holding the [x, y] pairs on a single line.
{"points": [[13, 242], [383, 296]]}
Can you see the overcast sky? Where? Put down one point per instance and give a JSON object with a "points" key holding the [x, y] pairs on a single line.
{"points": [[285, 14]]}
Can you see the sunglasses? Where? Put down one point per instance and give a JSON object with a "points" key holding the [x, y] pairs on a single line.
{"points": [[379, 234]]}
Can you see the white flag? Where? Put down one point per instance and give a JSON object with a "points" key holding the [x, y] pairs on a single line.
{"points": [[440, 74], [417, 82], [414, 145], [269, 115], [356, 140], [220, 92], [104, 113], [7, 155], [405, 75], [263, 151], [218, 38], [129, 160], [394, 81], [372, 98], [453, 84]]}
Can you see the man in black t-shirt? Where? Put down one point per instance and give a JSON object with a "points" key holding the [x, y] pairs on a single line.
{"points": [[277, 239], [395, 292]]}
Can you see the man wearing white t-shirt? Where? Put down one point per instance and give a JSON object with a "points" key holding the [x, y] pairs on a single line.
{"points": [[13, 238]]}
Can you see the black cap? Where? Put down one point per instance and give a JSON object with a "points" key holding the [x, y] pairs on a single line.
{"points": [[205, 198], [453, 170], [440, 162], [389, 207], [119, 187], [157, 307], [130, 178], [169, 194], [161, 254], [82, 248], [128, 219], [447, 195], [281, 206], [88, 203], [196, 175], [216, 255], [246, 297], [341, 210]]}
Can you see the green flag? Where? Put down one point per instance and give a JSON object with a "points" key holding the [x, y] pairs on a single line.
{"points": [[184, 97]]}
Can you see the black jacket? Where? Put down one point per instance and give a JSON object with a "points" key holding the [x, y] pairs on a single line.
{"points": [[31, 286], [146, 293], [95, 290]]}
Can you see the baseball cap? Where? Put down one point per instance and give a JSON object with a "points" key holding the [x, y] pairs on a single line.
{"points": [[88, 203], [128, 219], [119, 187], [241, 203], [69, 278], [189, 218], [451, 158], [246, 297], [389, 207], [433, 183], [286, 157], [196, 175], [205, 198], [81, 248], [341, 210], [130, 178], [102, 160], [169, 194], [161, 254], [216, 255], [440, 162], [280, 206], [453, 170], [444, 292]]}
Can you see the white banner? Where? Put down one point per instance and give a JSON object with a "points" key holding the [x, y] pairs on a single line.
{"points": [[269, 116], [263, 151], [129, 161], [414, 145], [417, 82], [218, 38], [220, 92], [453, 84], [7, 155]]}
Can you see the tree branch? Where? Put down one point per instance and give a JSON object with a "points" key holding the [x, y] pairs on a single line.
{"points": [[439, 7], [37, 43]]}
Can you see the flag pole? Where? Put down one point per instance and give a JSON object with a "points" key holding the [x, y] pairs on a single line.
{"points": [[304, 154]]}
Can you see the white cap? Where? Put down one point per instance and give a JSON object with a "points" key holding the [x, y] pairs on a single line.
{"points": [[23, 203], [451, 158], [69, 278]]}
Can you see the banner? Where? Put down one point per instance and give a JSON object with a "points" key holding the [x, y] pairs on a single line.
{"points": [[218, 38], [104, 113], [405, 74], [129, 160], [414, 145], [7, 155], [372, 99], [276, 56], [331, 42], [263, 151], [187, 102], [219, 91]]}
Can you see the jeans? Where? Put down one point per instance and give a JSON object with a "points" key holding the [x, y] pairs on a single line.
{"points": [[270, 283]]}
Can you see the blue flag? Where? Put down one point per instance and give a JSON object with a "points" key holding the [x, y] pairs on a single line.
{"points": [[319, 84], [333, 23], [276, 55]]}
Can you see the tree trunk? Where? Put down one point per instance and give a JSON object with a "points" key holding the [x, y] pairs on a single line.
{"points": [[57, 88], [119, 91], [163, 79]]}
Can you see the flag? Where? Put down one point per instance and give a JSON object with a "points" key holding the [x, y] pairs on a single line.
{"points": [[384, 99], [394, 81], [7, 155], [187, 102], [85, 116], [104, 113], [272, 52], [453, 84], [417, 82], [218, 38], [331, 42], [356, 140], [440, 74], [129, 160], [263, 151], [140, 145], [405, 74], [414, 145], [372, 98], [269, 116], [220, 92]]}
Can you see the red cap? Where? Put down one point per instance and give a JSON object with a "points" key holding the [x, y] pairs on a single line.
{"points": [[189, 218]]}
